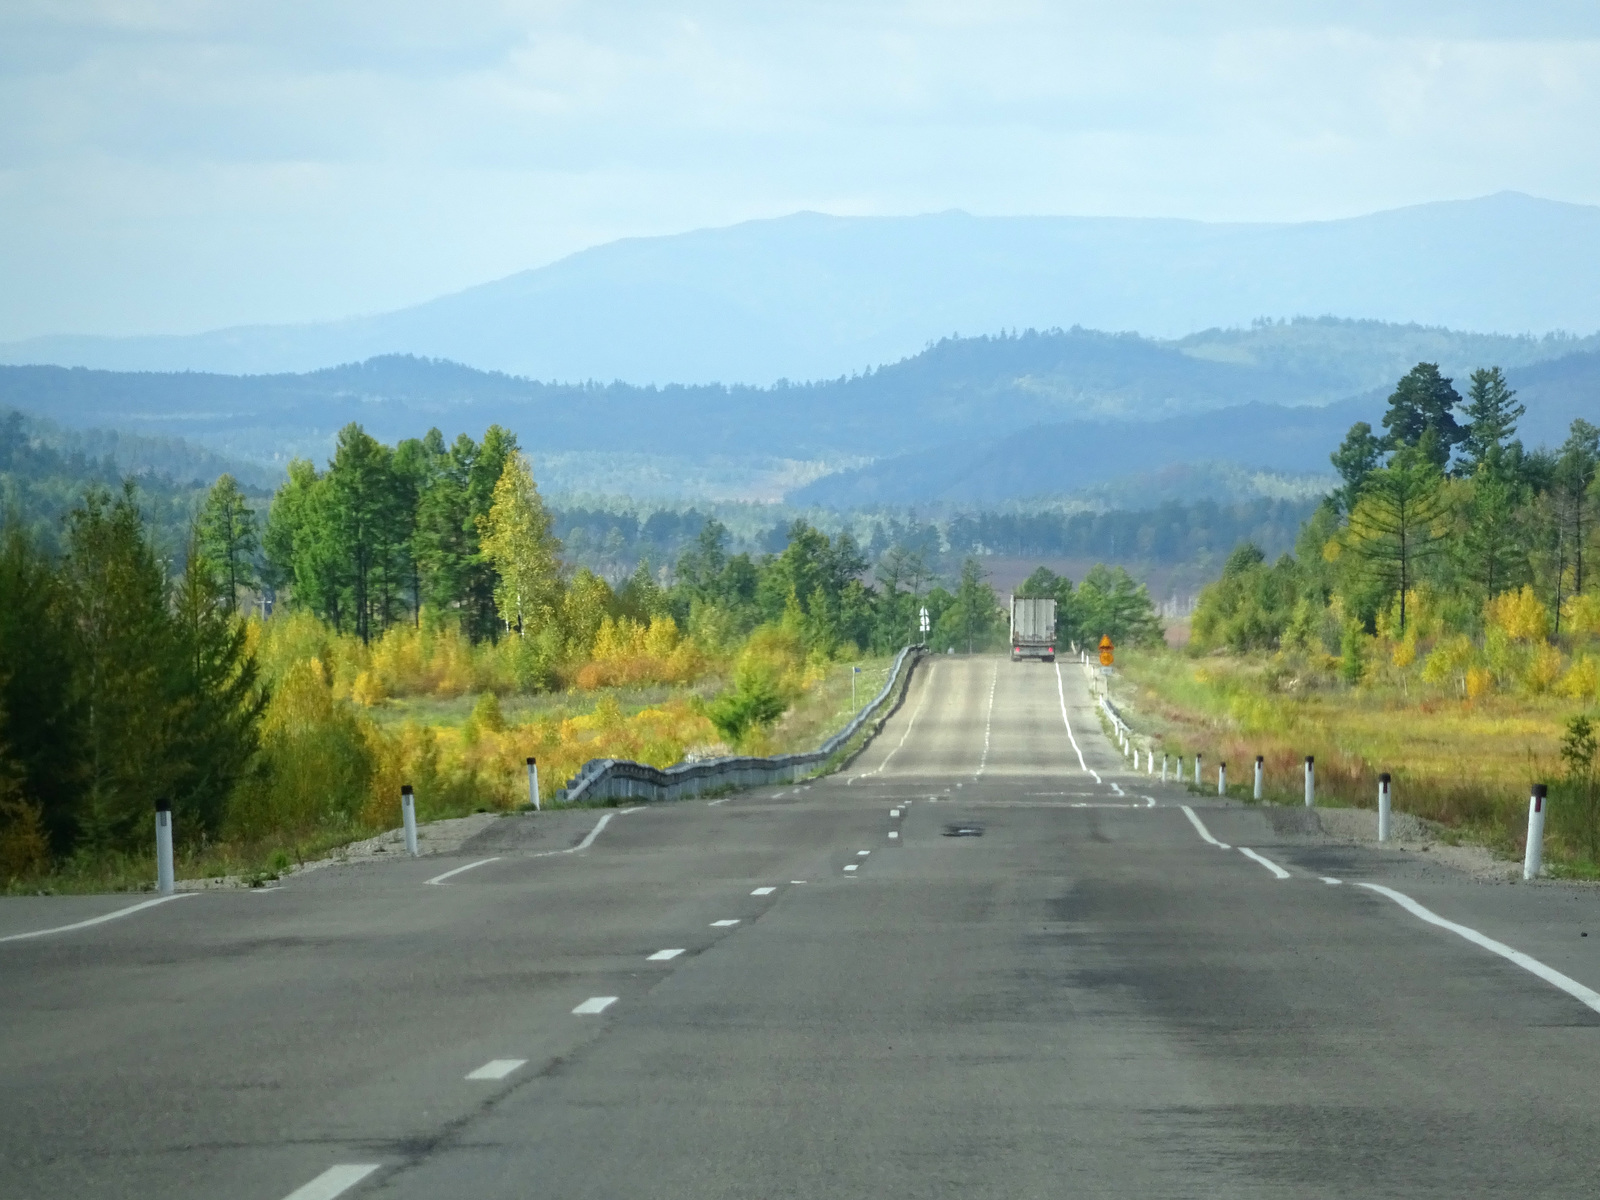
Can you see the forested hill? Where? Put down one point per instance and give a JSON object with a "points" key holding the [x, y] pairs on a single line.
{"points": [[956, 391]]}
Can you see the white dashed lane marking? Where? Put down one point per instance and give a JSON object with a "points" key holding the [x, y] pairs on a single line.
{"points": [[763, 891], [725, 922], [863, 853], [851, 867], [333, 1182], [594, 1004], [664, 955], [1266, 862], [498, 1068]]}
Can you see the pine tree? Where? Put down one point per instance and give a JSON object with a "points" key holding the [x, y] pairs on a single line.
{"points": [[1492, 414], [1424, 403], [228, 538], [117, 589], [1357, 457], [1392, 529]]}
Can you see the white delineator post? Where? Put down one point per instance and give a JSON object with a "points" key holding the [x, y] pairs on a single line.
{"points": [[1163, 768], [1383, 807], [533, 783], [1177, 770], [1149, 762], [1311, 781], [1534, 855], [1222, 778], [165, 881], [408, 812], [1197, 759], [1259, 771]]}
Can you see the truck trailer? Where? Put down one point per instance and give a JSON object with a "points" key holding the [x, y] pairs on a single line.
{"points": [[1033, 628]]}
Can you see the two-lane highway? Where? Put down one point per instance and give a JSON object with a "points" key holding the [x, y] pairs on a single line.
{"points": [[987, 959]]}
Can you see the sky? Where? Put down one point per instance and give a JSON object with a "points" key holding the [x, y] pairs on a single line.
{"points": [[171, 166]]}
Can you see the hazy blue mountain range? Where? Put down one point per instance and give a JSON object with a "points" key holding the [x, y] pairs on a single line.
{"points": [[810, 296], [1178, 455], [959, 391]]}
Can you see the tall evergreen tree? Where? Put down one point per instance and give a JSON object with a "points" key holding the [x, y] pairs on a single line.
{"points": [[228, 538], [1392, 529], [1357, 457], [1423, 404], [1492, 413]]}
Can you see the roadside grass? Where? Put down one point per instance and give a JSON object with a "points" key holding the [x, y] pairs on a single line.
{"points": [[826, 707], [453, 712], [1465, 764], [476, 769]]}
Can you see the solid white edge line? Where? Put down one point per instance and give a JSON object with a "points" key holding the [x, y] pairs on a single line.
{"points": [[497, 1068], [910, 725], [1264, 861], [1061, 690], [1199, 825], [458, 870], [100, 920], [333, 1182], [594, 1005], [1585, 996]]}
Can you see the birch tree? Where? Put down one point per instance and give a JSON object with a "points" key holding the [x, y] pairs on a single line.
{"points": [[518, 542]]}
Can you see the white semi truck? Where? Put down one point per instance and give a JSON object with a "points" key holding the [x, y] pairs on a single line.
{"points": [[1033, 628]]}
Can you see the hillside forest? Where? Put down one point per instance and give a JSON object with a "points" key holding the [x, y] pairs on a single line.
{"points": [[253, 679], [1440, 616]]}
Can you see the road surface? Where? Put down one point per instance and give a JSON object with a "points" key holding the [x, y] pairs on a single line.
{"points": [[987, 960]]}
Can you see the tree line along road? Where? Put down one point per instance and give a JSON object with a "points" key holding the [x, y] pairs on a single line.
{"points": [[986, 959]]}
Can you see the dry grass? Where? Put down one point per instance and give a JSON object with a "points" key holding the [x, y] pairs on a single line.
{"points": [[1466, 764]]}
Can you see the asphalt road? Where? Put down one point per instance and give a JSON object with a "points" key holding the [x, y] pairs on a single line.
{"points": [[1077, 996]]}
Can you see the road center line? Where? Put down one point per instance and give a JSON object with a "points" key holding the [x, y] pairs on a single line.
{"points": [[333, 1182], [1061, 690], [988, 721], [1264, 861], [498, 1068], [1533, 966], [458, 870], [100, 920]]}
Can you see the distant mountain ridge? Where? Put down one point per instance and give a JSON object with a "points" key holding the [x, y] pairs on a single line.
{"points": [[1062, 458], [810, 296], [958, 391]]}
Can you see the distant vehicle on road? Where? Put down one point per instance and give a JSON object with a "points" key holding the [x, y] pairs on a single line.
{"points": [[1033, 628]]}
